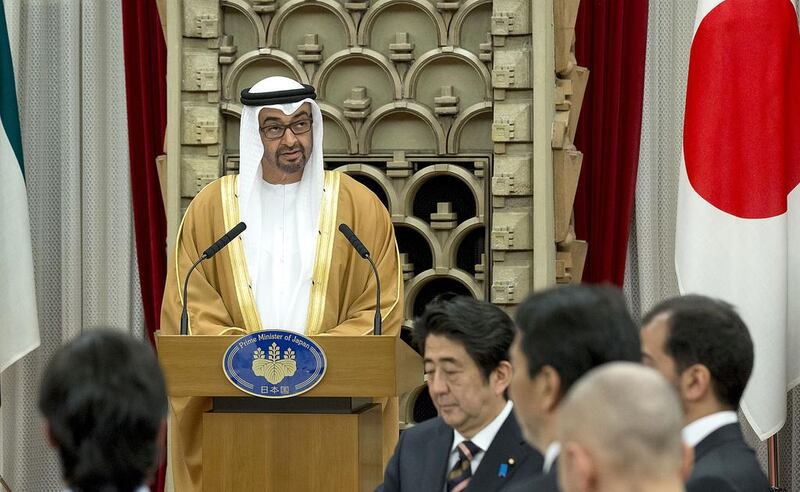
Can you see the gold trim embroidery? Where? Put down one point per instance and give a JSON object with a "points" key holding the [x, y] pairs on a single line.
{"points": [[400, 284], [233, 331], [178, 278], [322, 261], [241, 276]]}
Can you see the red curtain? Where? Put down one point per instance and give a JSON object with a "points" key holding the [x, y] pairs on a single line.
{"points": [[611, 40], [146, 94], [146, 88]]}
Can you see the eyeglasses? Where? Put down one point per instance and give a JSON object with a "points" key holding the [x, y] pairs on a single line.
{"points": [[274, 131]]}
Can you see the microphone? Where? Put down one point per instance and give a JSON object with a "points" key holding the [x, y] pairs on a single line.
{"points": [[364, 253], [224, 240], [208, 253], [357, 244]]}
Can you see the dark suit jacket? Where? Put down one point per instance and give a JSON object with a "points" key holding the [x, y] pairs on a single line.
{"points": [[723, 462], [420, 460], [547, 482]]}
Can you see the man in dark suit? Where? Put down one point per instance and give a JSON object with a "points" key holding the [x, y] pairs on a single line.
{"points": [[704, 349], [475, 443], [563, 333]]}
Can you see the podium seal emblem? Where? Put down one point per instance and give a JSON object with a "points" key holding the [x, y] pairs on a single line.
{"points": [[274, 364]]}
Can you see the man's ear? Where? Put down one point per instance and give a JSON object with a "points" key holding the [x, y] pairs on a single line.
{"points": [[695, 383], [687, 463], [500, 377], [550, 388], [576, 468]]}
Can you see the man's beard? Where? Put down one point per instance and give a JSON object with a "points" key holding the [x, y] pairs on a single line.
{"points": [[294, 166]]}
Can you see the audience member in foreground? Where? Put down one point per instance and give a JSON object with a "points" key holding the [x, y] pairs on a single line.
{"points": [[105, 404], [475, 444], [562, 333], [620, 430], [704, 349]]}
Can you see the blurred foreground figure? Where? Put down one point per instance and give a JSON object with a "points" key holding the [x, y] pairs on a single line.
{"points": [[105, 403], [563, 333], [620, 429]]}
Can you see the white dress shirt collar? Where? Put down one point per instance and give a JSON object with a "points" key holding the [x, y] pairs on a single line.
{"points": [[483, 439], [550, 456], [702, 427]]}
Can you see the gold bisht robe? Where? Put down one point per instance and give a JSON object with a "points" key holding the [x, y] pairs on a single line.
{"points": [[221, 301]]}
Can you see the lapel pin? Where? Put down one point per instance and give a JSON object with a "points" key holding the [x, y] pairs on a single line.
{"points": [[503, 470]]}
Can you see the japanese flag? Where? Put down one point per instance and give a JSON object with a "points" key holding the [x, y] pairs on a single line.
{"points": [[738, 223]]}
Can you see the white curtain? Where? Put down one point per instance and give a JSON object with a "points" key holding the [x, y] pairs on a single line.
{"points": [[650, 270], [68, 55]]}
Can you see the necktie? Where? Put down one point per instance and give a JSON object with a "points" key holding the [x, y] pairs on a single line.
{"points": [[458, 478]]}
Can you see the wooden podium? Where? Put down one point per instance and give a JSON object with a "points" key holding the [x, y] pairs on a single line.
{"points": [[329, 438]]}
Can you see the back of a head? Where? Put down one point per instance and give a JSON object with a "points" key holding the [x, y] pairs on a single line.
{"points": [[574, 329], [708, 331], [484, 329], [104, 399], [629, 418]]}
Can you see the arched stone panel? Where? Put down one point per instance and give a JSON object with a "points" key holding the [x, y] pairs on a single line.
{"points": [[380, 178], [452, 277], [458, 56], [254, 66], [242, 14], [365, 27], [480, 140], [334, 116], [351, 68], [290, 8], [420, 178], [471, 25], [419, 113], [408, 22]]}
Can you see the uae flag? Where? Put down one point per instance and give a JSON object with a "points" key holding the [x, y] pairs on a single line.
{"points": [[19, 326], [738, 223]]}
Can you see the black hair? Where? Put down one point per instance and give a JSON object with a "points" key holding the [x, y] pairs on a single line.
{"points": [[104, 399], [485, 330], [574, 329], [708, 331]]}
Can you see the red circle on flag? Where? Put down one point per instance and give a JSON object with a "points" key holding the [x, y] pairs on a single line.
{"points": [[741, 139]]}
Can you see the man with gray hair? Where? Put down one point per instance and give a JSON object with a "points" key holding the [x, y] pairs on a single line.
{"points": [[620, 429]]}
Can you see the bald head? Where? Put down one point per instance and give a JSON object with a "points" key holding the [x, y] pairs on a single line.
{"points": [[626, 420]]}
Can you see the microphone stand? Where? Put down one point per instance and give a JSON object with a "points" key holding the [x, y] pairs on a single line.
{"points": [[208, 253], [185, 310], [377, 323], [364, 253]]}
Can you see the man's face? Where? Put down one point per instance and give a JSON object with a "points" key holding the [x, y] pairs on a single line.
{"points": [[286, 156], [654, 337], [463, 398], [525, 393]]}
